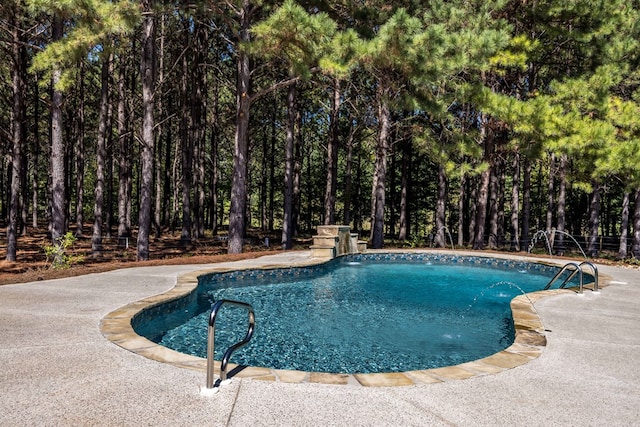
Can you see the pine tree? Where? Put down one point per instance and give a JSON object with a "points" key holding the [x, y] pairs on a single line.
{"points": [[299, 39], [237, 221], [93, 23], [18, 72], [426, 58], [147, 73], [101, 154]]}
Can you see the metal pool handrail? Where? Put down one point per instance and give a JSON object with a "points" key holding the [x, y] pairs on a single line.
{"points": [[567, 266], [596, 285], [575, 269], [211, 339]]}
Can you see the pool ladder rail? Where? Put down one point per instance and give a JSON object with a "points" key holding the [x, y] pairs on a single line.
{"points": [[212, 387], [578, 269]]}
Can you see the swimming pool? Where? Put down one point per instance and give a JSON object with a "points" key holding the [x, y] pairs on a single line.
{"points": [[382, 324]]}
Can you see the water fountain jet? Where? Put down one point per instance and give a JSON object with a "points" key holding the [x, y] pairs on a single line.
{"points": [[546, 234], [444, 227]]}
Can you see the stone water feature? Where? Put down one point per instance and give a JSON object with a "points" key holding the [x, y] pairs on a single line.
{"points": [[336, 240]]}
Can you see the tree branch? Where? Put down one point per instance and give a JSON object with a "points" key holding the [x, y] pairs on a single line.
{"points": [[281, 84]]}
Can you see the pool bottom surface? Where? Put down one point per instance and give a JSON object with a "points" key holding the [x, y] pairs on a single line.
{"points": [[366, 318]]}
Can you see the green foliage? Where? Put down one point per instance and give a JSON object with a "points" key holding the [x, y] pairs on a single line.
{"points": [[90, 24], [295, 35], [57, 252], [343, 54], [549, 77], [515, 55], [623, 153], [454, 44], [397, 45]]}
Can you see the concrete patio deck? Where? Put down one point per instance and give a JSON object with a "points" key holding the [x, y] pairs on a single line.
{"points": [[56, 367]]}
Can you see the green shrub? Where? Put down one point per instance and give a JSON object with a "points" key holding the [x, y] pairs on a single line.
{"points": [[57, 253]]}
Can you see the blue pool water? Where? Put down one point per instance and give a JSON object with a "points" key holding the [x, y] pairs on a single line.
{"points": [[356, 315]]}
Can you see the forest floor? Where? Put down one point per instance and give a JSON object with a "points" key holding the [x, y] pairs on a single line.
{"points": [[32, 263]]}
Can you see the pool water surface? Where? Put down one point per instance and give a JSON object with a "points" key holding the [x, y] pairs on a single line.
{"points": [[357, 315]]}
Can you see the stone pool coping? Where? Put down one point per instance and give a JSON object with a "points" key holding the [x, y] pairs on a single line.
{"points": [[530, 340]]}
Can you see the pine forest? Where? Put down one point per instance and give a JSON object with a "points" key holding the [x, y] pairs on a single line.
{"points": [[479, 124]]}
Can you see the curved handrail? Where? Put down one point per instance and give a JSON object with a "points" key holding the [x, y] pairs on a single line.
{"points": [[577, 270], [211, 339], [596, 287]]}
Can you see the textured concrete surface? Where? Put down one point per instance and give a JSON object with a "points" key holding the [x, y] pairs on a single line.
{"points": [[56, 368]]}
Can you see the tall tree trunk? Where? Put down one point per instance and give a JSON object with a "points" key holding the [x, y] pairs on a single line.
{"points": [[80, 152], [48, 186], [635, 245], [391, 192], [148, 83], [124, 159], [297, 171], [5, 196], [200, 191], [175, 179], [441, 204], [158, 173], [264, 181], [461, 196], [624, 226], [108, 215], [159, 210], [483, 192], [481, 209], [594, 221], [248, 210], [168, 191], [309, 191], [287, 221], [272, 165], [187, 145], [405, 182], [550, 195], [214, 171], [215, 174], [24, 180], [332, 157], [562, 200], [35, 180], [473, 208], [380, 168], [131, 144], [348, 178], [58, 174], [526, 205], [241, 143], [357, 218], [101, 156], [515, 203], [494, 190], [68, 167], [199, 108], [17, 122], [606, 221], [502, 178]]}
